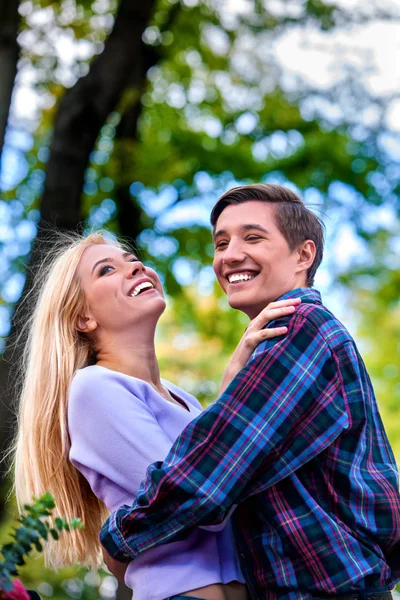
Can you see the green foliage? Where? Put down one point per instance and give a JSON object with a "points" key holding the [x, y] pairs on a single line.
{"points": [[34, 529], [374, 300], [205, 82], [191, 142]]}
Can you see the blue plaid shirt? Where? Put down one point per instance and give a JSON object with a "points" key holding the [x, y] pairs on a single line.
{"points": [[296, 440]]}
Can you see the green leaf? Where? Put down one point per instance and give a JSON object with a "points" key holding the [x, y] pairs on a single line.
{"points": [[54, 533], [77, 523], [48, 500], [5, 583]]}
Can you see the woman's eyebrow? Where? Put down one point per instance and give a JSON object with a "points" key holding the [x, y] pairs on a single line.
{"points": [[103, 260], [109, 259]]}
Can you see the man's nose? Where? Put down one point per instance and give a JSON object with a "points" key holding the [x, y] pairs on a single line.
{"points": [[233, 253]]}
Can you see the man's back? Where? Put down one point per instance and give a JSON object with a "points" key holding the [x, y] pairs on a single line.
{"points": [[333, 523]]}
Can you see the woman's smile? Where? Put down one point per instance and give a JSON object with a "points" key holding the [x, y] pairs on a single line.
{"points": [[141, 286]]}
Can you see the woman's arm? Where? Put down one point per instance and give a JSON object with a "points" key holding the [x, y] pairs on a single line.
{"points": [[116, 568], [255, 334]]}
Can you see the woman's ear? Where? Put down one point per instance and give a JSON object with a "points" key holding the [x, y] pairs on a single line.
{"points": [[86, 324]]}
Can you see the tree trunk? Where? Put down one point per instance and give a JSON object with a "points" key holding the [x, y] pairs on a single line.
{"points": [[129, 210], [9, 50], [85, 107]]}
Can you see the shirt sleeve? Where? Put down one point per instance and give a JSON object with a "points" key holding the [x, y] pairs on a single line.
{"points": [[281, 410], [114, 435]]}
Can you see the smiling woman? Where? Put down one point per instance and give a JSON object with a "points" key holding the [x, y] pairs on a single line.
{"points": [[95, 413], [110, 279]]}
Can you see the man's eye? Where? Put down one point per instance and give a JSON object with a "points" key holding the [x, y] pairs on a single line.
{"points": [[221, 244], [103, 270], [251, 238]]}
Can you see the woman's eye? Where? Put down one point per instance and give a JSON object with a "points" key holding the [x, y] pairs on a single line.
{"points": [[103, 270]]}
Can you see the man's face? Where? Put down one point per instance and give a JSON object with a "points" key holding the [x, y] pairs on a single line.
{"points": [[252, 261]]}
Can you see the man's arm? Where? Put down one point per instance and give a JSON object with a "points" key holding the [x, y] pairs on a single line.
{"points": [[281, 410]]}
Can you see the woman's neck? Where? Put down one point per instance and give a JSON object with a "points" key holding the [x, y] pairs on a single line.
{"points": [[136, 358]]}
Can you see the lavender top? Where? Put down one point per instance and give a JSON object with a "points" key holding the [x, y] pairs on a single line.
{"points": [[118, 426]]}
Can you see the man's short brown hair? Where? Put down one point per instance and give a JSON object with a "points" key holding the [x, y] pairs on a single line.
{"points": [[294, 220]]}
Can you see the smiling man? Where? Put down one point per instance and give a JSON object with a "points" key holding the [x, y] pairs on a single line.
{"points": [[296, 440]]}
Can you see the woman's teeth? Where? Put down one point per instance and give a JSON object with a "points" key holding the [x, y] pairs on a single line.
{"points": [[142, 286], [239, 277]]}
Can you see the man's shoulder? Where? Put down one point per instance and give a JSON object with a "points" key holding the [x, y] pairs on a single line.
{"points": [[316, 316]]}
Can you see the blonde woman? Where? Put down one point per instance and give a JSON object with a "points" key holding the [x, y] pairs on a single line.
{"points": [[94, 413]]}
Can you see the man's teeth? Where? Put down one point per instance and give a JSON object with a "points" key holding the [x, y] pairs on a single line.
{"points": [[239, 277], [142, 286]]}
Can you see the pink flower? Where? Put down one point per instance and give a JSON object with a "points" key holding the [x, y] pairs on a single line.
{"points": [[17, 593]]}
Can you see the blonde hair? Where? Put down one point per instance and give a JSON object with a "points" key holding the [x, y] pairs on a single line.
{"points": [[53, 352]]}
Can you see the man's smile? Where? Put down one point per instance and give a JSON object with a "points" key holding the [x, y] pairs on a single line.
{"points": [[236, 277]]}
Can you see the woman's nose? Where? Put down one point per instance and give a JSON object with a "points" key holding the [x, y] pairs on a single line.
{"points": [[135, 268]]}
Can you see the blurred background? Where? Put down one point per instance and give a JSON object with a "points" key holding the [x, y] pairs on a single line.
{"points": [[136, 116]]}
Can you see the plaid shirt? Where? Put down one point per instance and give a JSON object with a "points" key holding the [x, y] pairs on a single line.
{"points": [[296, 441]]}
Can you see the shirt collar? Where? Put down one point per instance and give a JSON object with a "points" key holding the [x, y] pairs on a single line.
{"points": [[308, 295]]}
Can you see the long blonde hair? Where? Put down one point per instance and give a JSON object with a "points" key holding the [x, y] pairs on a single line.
{"points": [[54, 351]]}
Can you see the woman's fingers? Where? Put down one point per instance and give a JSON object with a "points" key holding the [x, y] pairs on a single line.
{"points": [[287, 302], [273, 332], [266, 334], [271, 313], [253, 339]]}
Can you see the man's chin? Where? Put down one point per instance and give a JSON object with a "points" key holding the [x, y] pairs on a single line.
{"points": [[244, 307], [251, 309]]}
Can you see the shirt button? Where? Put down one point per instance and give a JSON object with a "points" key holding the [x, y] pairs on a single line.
{"points": [[241, 555]]}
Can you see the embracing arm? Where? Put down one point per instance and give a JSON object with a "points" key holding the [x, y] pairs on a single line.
{"points": [[282, 409]]}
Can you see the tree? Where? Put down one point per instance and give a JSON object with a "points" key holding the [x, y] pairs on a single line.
{"points": [[174, 96], [373, 297], [167, 104], [9, 20]]}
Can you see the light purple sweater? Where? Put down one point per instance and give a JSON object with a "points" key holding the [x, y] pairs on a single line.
{"points": [[119, 425]]}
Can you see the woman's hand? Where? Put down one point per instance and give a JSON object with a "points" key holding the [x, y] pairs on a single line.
{"points": [[117, 569], [255, 334]]}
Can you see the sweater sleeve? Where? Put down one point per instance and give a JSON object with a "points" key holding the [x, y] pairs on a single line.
{"points": [[114, 435]]}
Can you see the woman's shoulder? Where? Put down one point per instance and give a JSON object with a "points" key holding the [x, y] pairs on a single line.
{"points": [[97, 376], [100, 385]]}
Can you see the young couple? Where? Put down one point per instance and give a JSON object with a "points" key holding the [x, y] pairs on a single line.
{"points": [[285, 488]]}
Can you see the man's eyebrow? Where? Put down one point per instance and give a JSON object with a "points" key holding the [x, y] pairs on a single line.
{"points": [[218, 233], [249, 226], [245, 227], [109, 259]]}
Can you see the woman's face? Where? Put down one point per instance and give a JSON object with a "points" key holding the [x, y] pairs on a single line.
{"points": [[119, 290]]}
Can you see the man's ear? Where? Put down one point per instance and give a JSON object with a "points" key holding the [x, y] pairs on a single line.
{"points": [[86, 324], [306, 252]]}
